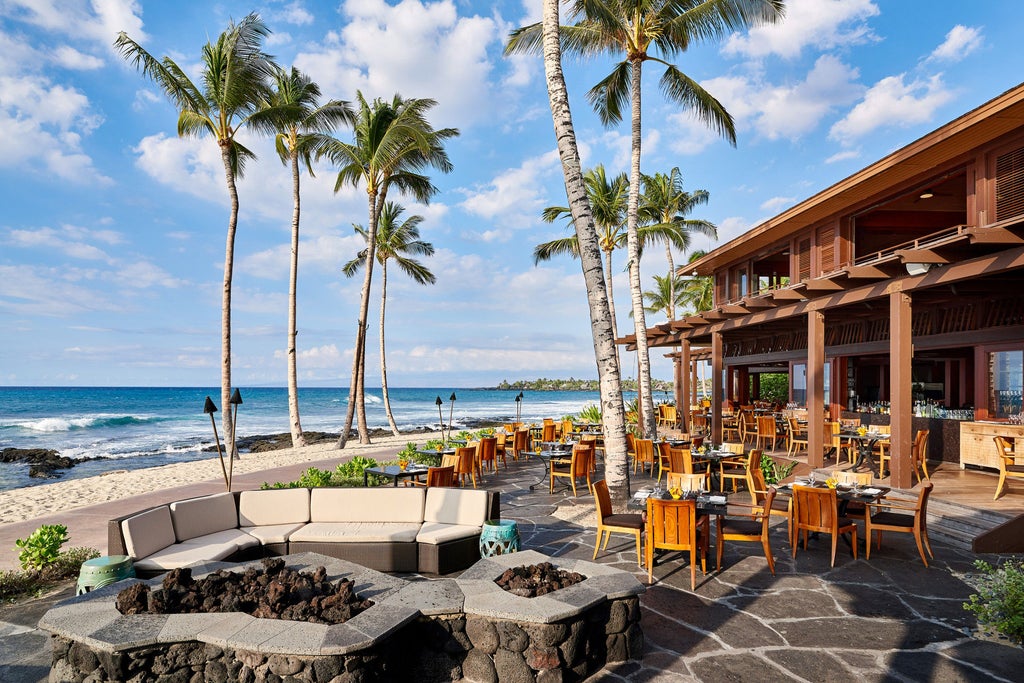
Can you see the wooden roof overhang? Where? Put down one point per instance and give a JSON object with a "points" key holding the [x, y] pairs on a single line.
{"points": [[917, 160]]}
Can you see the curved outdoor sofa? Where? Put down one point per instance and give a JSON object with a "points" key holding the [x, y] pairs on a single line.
{"points": [[431, 530]]}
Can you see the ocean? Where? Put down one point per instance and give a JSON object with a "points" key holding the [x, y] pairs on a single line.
{"points": [[136, 427]]}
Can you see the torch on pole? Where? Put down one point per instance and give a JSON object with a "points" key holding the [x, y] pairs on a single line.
{"points": [[451, 414], [210, 408], [236, 400], [440, 419]]}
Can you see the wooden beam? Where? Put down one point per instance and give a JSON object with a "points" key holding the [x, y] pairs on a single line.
{"points": [[714, 315], [759, 302], [866, 273], [993, 235], [815, 389], [788, 295], [921, 256], [734, 309], [823, 284], [680, 325]]}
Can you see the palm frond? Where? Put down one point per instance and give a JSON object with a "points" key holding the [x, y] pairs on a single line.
{"points": [[611, 95], [678, 87], [562, 246]]}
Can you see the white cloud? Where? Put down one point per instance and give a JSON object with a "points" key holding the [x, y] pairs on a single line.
{"points": [[960, 42], [144, 98], [295, 13], [431, 52], [98, 21], [892, 102], [70, 58], [794, 111], [775, 204], [732, 227], [326, 356], [63, 241], [514, 197], [843, 156], [822, 24]]}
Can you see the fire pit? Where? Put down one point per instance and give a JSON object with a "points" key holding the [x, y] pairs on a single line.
{"points": [[529, 581], [424, 630]]}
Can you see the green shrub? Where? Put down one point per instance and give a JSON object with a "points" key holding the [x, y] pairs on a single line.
{"points": [[18, 583], [773, 471], [428, 459], [433, 444], [590, 413], [14, 583], [355, 466], [409, 452], [69, 563], [42, 548], [999, 602]]}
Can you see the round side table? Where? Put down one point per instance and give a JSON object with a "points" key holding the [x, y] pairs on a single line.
{"points": [[499, 537]]}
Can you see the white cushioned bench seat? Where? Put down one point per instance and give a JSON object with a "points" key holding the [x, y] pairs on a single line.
{"points": [[435, 532], [215, 546], [403, 505], [201, 516], [272, 533], [357, 532], [272, 507]]}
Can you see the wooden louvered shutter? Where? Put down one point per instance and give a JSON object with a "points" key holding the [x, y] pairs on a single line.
{"points": [[827, 250], [803, 260], [1010, 184]]}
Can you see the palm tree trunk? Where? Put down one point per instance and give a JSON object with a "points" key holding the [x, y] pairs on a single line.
{"points": [[601, 322], [225, 309], [298, 439], [671, 282], [645, 401], [611, 295], [355, 394], [383, 361]]}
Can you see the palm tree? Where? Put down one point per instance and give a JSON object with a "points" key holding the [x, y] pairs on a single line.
{"points": [[613, 416], [608, 207], [299, 133], [234, 78], [666, 295], [394, 241], [664, 207], [393, 143], [638, 30], [698, 290]]}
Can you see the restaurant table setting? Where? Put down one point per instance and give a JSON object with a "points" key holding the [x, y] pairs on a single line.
{"points": [[707, 503], [395, 472], [866, 441]]}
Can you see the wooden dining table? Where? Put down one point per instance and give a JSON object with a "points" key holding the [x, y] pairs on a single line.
{"points": [[865, 447]]}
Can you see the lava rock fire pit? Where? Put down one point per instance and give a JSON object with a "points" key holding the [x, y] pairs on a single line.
{"points": [[417, 629]]}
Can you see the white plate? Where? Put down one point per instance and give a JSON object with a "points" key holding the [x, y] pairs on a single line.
{"points": [[716, 500], [871, 492]]}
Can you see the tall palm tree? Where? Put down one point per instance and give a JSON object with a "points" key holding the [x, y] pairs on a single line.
{"points": [[234, 73], [299, 132], [666, 295], [664, 207], [608, 207], [395, 240], [698, 290], [638, 31], [613, 416], [393, 142]]}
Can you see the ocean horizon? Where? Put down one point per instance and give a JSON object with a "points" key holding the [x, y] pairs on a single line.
{"points": [[137, 427]]}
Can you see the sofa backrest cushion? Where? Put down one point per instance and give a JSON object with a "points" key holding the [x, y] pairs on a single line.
{"points": [[273, 506], [455, 506], [148, 532], [206, 515], [380, 504]]}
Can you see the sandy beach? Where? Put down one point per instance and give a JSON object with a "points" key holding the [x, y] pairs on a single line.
{"points": [[19, 505]]}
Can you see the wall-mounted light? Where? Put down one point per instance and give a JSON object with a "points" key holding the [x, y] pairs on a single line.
{"points": [[927, 194], [918, 268]]}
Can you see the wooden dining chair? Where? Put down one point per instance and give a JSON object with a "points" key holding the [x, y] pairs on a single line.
{"points": [[680, 460], [609, 523], [500, 450], [439, 476], [466, 467], [816, 510], [747, 530], [687, 482], [520, 442], [736, 471], [547, 432], [780, 507], [567, 429], [749, 425], [1007, 462], [888, 519], [673, 525], [664, 464], [644, 455], [767, 432], [854, 508], [449, 460], [574, 467], [797, 436]]}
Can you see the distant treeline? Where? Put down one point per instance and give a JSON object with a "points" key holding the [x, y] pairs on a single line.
{"points": [[573, 384]]}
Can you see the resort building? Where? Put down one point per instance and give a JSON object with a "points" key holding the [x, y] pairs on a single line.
{"points": [[895, 296]]}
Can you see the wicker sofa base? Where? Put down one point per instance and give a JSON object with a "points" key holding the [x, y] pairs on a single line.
{"points": [[383, 557]]}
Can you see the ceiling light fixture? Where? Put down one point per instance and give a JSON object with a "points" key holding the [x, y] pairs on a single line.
{"points": [[918, 268], [927, 194]]}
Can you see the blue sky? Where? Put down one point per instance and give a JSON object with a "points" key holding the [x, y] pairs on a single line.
{"points": [[112, 229]]}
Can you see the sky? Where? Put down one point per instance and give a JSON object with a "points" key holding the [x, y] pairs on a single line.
{"points": [[112, 228]]}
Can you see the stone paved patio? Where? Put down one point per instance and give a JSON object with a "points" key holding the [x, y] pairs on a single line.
{"points": [[887, 619]]}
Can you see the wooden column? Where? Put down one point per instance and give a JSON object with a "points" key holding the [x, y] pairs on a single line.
{"points": [[815, 388], [716, 387], [683, 386], [693, 384], [901, 353], [743, 395]]}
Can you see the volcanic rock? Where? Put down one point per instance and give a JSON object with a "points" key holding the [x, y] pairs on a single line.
{"points": [[532, 580]]}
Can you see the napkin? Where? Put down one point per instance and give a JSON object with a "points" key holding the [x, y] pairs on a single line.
{"points": [[872, 492], [716, 500]]}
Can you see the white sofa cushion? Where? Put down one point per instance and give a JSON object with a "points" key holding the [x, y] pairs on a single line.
{"points": [[202, 516], [455, 506], [239, 538], [356, 532], [272, 533], [435, 532], [148, 532], [382, 504], [272, 507], [182, 554]]}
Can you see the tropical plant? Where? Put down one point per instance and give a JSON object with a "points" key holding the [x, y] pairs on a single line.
{"points": [[234, 74], [396, 240], [393, 142], [774, 471], [667, 294], [299, 130], [355, 466], [608, 205], [639, 30], [698, 290], [999, 602], [42, 547], [616, 466], [664, 207]]}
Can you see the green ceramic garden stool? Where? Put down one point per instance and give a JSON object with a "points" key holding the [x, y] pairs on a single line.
{"points": [[103, 571], [499, 537]]}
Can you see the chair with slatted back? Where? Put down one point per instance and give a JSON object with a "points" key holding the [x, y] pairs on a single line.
{"points": [[747, 530], [797, 436], [449, 460], [1007, 461], [885, 516], [687, 482], [767, 432], [488, 450], [854, 508], [520, 443], [673, 525], [816, 511], [680, 461], [664, 465], [644, 455], [500, 450], [547, 432], [609, 523], [567, 429], [780, 507], [575, 467], [735, 471], [466, 467], [439, 476], [748, 425]]}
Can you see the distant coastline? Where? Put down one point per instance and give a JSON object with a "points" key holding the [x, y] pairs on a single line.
{"points": [[572, 384]]}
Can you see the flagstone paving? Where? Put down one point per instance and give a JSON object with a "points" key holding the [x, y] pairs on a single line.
{"points": [[887, 619]]}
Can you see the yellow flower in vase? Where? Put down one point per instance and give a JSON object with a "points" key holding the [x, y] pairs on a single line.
{"points": [[831, 482]]}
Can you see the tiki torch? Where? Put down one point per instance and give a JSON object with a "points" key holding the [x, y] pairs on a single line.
{"points": [[519, 408], [209, 408], [440, 419], [451, 414], [236, 400]]}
